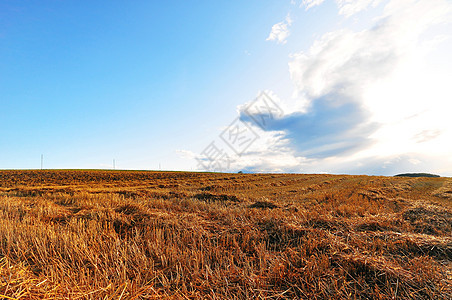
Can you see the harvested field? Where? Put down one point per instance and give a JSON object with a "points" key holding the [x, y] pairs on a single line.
{"points": [[145, 235]]}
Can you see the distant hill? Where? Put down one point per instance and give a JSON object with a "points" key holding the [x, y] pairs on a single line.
{"points": [[417, 175]]}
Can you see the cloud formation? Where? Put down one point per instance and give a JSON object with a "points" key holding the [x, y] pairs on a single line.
{"points": [[363, 101], [311, 3], [346, 7], [351, 7], [280, 31], [334, 124], [344, 126]]}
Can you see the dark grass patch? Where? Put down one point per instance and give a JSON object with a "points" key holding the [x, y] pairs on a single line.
{"points": [[429, 220], [264, 205], [208, 197]]}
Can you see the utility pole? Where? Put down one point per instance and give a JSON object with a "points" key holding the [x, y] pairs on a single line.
{"points": [[42, 161], [114, 164]]}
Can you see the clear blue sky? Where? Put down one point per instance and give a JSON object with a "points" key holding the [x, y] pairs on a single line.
{"points": [[86, 82]]}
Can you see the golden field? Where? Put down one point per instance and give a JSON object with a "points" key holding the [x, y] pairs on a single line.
{"points": [[145, 235]]}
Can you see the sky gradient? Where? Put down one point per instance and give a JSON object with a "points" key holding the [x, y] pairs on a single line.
{"points": [[363, 86]]}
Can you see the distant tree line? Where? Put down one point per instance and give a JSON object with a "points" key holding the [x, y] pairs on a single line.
{"points": [[417, 175]]}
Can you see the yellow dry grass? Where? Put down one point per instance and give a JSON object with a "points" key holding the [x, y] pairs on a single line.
{"points": [[146, 235]]}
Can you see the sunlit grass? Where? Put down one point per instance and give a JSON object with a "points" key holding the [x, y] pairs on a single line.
{"points": [[141, 235]]}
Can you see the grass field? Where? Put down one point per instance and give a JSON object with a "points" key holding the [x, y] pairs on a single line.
{"points": [[145, 235]]}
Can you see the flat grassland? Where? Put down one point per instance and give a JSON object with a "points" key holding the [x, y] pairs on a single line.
{"points": [[145, 235]]}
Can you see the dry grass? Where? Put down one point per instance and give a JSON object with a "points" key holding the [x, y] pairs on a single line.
{"points": [[145, 235]]}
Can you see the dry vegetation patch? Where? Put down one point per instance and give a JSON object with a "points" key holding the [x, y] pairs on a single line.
{"points": [[143, 235]]}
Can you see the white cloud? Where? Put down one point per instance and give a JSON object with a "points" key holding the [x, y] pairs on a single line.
{"points": [[186, 154], [280, 31], [270, 153], [351, 7], [343, 60], [346, 7], [311, 3]]}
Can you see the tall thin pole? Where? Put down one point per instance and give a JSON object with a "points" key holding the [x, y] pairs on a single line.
{"points": [[114, 164], [42, 161]]}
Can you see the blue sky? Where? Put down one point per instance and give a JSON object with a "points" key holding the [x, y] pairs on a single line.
{"points": [[151, 83]]}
